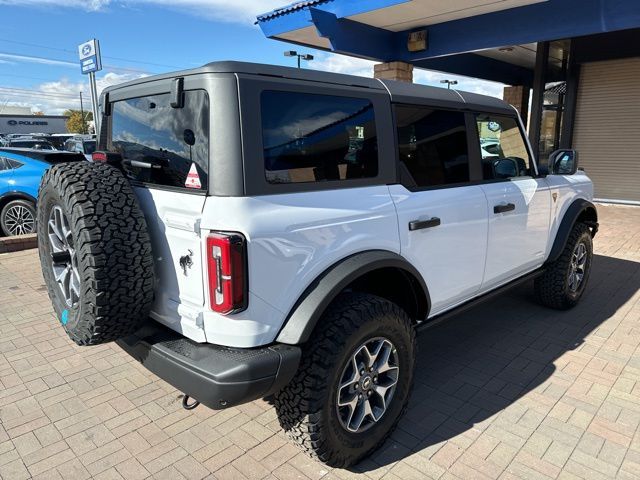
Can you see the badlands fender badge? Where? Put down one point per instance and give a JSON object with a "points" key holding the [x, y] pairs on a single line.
{"points": [[193, 179]]}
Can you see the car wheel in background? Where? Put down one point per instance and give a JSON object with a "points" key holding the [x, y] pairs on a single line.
{"points": [[18, 217]]}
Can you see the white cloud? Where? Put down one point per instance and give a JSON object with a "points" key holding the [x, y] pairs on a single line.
{"points": [[32, 59], [329, 62], [91, 5], [233, 11], [356, 66]]}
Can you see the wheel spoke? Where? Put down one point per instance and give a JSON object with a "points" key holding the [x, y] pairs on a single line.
{"points": [[363, 411], [352, 410], [75, 285], [382, 365], [381, 392], [367, 357], [355, 377], [65, 281]]}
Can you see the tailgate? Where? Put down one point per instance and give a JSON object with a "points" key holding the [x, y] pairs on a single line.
{"points": [[173, 220]]}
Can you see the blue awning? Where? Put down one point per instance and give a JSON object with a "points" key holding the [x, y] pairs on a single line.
{"points": [[346, 27], [289, 8]]}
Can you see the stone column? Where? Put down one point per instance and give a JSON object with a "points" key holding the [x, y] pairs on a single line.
{"points": [[518, 96], [400, 71]]}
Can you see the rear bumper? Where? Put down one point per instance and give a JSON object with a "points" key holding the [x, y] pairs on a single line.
{"points": [[218, 377]]}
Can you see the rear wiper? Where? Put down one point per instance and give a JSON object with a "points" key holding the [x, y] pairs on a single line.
{"points": [[138, 164]]}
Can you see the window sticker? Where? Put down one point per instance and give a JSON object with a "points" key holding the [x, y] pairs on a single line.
{"points": [[193, 179]]}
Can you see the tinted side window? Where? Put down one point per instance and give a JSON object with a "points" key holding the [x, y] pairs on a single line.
{"points": [[432, 146], [315, 138], [13, 163], [3, 164], [502, 148], [172, 140]]}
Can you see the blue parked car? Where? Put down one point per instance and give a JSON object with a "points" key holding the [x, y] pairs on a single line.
{"points": [[20, 172]]}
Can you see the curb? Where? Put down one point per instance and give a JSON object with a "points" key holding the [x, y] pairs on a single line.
{"points": [[18, 243]]}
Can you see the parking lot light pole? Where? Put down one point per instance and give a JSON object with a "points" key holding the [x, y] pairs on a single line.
{"points": [[301, 56], [449, 83]]}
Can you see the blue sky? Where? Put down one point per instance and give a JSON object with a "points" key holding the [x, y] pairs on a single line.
{"points": [[38, 40]]}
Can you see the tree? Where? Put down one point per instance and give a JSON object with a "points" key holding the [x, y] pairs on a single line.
{"points": [[77, 124]]}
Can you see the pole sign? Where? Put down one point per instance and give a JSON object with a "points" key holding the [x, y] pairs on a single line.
{"points": [[89, 53]]}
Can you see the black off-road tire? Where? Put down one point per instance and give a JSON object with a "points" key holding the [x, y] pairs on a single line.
{"points": [[4, 216], [307, 408], [552, 287], [113, 251]]}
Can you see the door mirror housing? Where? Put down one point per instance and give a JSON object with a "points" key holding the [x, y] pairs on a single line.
{"points": [[505, 168], [563, 162]]}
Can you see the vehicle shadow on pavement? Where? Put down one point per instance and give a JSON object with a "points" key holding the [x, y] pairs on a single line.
{"points": [[477, 364]]}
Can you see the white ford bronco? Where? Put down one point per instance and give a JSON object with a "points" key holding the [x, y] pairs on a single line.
{"points": [[249, 231]]}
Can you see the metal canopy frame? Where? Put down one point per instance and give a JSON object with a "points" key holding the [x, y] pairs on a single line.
{"points": [[451, 44]]}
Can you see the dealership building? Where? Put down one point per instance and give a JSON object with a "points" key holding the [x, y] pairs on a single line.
{"points": [[572, 66], [26, 124]]}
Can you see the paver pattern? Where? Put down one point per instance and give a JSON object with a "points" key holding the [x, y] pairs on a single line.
{"points": [[507, 390]]}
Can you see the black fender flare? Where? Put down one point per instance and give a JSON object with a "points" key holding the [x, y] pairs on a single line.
{"points": [[578, 208], [308, 310]]}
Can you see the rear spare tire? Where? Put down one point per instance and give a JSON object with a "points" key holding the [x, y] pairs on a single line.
{"points": [[95, 251]]}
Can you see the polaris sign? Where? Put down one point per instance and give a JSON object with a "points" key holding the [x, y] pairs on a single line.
{"points": [[26, 124]]}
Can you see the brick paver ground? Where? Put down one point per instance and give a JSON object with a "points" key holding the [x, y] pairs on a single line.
{"points": [[507, 390]]}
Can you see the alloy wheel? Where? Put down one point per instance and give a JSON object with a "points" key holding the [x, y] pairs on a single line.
{"points": [[19, 220], [577, 267], [63, 256], [367, 385]]}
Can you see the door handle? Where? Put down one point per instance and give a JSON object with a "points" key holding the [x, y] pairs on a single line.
{"points": [[504, 208], [420, 224]]}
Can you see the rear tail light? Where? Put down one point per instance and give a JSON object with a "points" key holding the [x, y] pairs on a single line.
{"points": [[99, 157], [227, 268], [107, 157]]}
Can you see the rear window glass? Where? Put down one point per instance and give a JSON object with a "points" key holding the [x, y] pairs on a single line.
{"points": [[162, 145], [316, 138]]}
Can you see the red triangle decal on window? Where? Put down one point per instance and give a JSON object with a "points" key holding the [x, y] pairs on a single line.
{"points": [[193, 179]]}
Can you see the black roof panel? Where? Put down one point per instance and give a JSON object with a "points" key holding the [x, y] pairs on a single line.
{"points": [[400, 91], [404, 92]]}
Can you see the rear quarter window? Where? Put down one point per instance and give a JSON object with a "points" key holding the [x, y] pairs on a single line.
{"points": [[172, 141], [316, 138]]}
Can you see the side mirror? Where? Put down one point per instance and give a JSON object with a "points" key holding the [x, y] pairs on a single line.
{"points": [[563, 162], [505, 168]]}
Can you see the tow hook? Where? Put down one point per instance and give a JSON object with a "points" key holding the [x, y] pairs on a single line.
{"points": [[189, 406]]}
